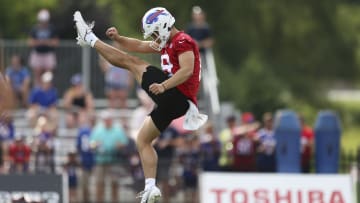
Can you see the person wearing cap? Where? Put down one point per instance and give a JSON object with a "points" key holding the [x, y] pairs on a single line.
{"points": [[108, 139], [19, 154], [77, 100], [43, 99], [42, 40], [200, 30]]}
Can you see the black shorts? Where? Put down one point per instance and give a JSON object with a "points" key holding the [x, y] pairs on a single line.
{"points": [[169, 105]]}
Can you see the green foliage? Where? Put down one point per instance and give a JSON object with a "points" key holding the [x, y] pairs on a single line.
{"points": [[256, 85], [269, 53], [17, 17]]}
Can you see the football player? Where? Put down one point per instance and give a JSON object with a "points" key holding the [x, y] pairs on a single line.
{"points": [[173, 89]]}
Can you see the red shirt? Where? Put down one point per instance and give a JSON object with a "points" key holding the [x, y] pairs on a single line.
{"points": [[19, 154], [243, 154], [180, 43], [307, 137]]}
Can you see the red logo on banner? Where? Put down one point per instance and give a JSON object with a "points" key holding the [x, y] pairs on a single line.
{"points": [[276, 196]]}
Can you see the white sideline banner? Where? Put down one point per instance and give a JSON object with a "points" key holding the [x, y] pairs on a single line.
{"points": [[275, 188]]}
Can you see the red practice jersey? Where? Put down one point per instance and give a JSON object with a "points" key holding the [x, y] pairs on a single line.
{"points": [[180, 43]]}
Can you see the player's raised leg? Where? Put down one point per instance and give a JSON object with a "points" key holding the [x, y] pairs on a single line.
{"points": [[119, 58]]}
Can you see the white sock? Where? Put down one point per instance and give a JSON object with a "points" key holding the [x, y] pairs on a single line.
{"points": [[91, 38], [149, 183]]}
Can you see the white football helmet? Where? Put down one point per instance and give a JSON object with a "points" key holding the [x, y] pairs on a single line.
{"points": [[157, 23]]}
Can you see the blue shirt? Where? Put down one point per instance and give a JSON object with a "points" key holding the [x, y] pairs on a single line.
{"points": [[210, 152], [117, 78], [83, 147], [107, 141], [267, 140], [44, 98], [7, 131], [17, 77]]}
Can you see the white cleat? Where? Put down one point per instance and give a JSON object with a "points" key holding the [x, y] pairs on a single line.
{"points": [[83, 29], [151, 195]]}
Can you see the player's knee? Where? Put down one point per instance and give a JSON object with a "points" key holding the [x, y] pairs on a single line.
{"points": [[143, 141], [140, 142]]}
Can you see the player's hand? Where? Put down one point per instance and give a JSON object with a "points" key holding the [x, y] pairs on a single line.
{"points": [[157, 88], [112, 33]]}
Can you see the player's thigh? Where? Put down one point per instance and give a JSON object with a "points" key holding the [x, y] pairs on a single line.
{"points": [[148, 132]]}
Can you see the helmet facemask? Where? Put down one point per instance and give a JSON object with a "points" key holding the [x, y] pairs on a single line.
{"points": [[158, 42], [155, 41]]}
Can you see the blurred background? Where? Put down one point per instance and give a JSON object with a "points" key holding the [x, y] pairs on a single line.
{"points": [[262, 61]]}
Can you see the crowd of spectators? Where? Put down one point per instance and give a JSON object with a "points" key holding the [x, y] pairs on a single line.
{"points": [[105, 148]]}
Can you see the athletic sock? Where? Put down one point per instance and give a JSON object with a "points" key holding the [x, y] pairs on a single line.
{"points": [[149, 183], [91, 38]]}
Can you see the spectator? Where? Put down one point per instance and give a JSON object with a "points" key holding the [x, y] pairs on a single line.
{"points": [[77, 101], [118, 84], [210, 149], [43, 100], [266, 161], [19, 154], [19, 77], [70, 168], [135, 166], [44, 146], [7, 132], [225, 137], [107, 139], [87, 161], [307, 141], [165, 148], [244, 148], [42, 41], [189, 157], [200, 30]]}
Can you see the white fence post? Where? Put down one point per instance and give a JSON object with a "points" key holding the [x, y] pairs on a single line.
{"points": [[85, 66]]}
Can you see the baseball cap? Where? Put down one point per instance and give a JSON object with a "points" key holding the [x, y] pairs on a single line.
{"points": [[76, 79], [47, 77], [43, 15], [196, 9], [105, 114]]}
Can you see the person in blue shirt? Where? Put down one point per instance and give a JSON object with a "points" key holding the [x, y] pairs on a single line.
{"points": [[43, 100], [7, 130], [7, 134], [70, 168], [87, 159], [266, 160], [210, 148], [19, 78]]}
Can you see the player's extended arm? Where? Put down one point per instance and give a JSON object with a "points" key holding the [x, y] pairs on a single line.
{"points": [[129, 44], [186, 62]]}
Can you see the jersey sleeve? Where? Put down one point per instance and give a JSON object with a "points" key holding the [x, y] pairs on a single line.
{"points": [[183, 45]]}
